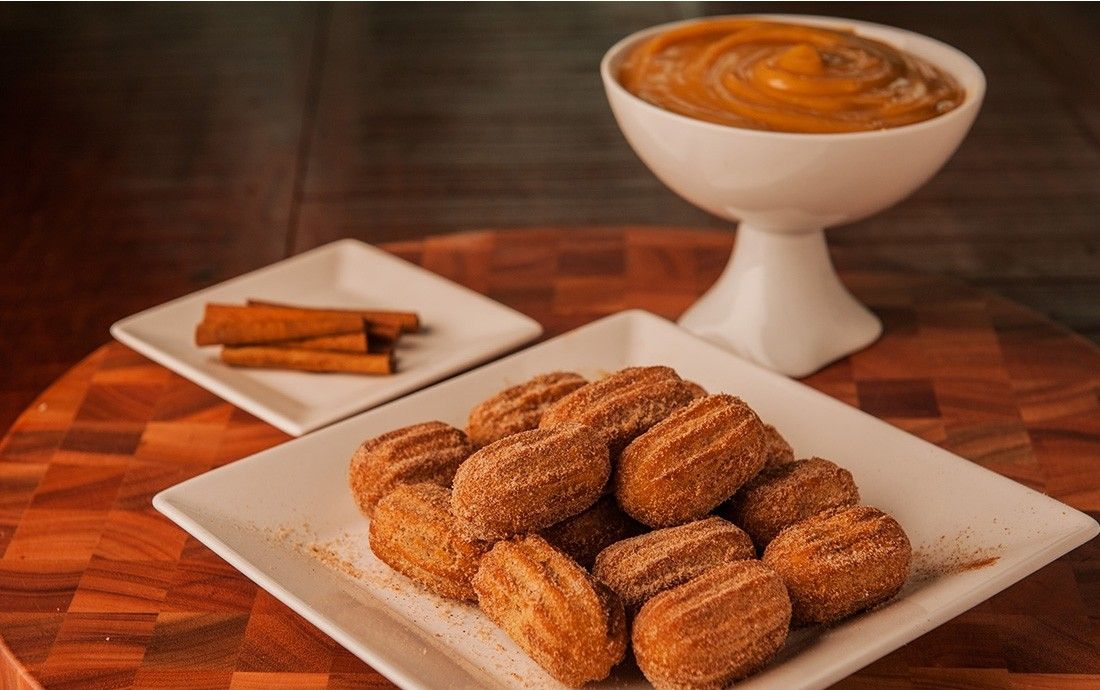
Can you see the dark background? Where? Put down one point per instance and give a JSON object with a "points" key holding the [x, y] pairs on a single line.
{"points": [[150, 150]]}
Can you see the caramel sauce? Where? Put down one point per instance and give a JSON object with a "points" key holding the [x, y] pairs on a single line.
{"points": [[786, 78]]}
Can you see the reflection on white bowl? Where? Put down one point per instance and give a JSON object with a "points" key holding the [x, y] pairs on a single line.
{"points": [[779, 301]]}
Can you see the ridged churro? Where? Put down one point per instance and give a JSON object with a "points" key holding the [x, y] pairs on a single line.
{"points": [[840, 562], [782, 495], [569, 623], [688, 464], [641, 567], [414, 532], [622, 405], [713, 630], [519, 408], [428, 452], [530, 480]]}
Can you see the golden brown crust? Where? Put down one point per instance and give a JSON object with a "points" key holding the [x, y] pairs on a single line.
{"points": [[776, 449], [641, 567], [519, 408], [622, 405], [428, 452], [782, 495], [530, 480], [414, 532], [569, 623], [841, 561], [585, 534], [720, 626], [688, 464]]}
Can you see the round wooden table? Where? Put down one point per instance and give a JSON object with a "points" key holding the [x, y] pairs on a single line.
{"points": [[97, 589]]}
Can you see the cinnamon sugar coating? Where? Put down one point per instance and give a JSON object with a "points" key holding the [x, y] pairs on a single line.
{"points": [[530, 481], [569, 623], [688, 464], [641, 567], [586, 534], [622, 405], [841, 561], [777, 450], [414, 532], [782, 495], [519, 408], [713, 630], [428, 452]]}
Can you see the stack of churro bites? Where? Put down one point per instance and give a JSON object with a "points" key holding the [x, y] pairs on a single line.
{"points": [[634, 511]]}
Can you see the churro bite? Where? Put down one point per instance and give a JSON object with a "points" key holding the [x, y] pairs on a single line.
{"points": [[641, 567], [531, 480], [714, 629], [688, 464], [840, 562], [776, 449], [586, 534], [570, 624], [519, 408], [428, 452], [622, 405], [414, 532], [782, 495]]}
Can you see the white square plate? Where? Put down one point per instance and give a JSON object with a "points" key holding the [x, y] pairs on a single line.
{"points": [[461, 328], [267, 513]]}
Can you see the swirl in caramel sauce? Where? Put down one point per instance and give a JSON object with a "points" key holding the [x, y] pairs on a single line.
{"points": [[786, 78]]}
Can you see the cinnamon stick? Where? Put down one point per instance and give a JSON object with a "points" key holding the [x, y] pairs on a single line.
{"points": [[390, 330], [382, 336], [249, 331], [345, 342], [266, 357], [408, 321]]}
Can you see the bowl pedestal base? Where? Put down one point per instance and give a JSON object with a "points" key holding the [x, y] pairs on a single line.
{"points": [[780, 304]]}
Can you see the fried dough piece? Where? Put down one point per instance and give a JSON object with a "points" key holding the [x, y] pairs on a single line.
{"points": [[428, 452], [530, 480], [639, 568], [713, 630], [688, 464], [841, 561], [569, 623], [585, 534], [414, 532], [777, 450], [782, 495], [519, 408], [623, 405]]}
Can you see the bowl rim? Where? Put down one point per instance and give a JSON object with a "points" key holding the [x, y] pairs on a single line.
{"points": [[971, 101]]}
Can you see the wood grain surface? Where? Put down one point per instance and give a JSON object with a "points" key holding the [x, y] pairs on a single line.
{"points": [[97, 590], [148, 150]]}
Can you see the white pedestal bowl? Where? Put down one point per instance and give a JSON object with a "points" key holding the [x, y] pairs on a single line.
{"points": [[779, 301]]}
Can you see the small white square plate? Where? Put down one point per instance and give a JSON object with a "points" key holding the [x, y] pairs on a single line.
{"points": [[286, 519], [461, 328]]}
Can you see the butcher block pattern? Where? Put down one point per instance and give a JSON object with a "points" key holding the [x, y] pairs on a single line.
{"points": [[98, 590]]}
